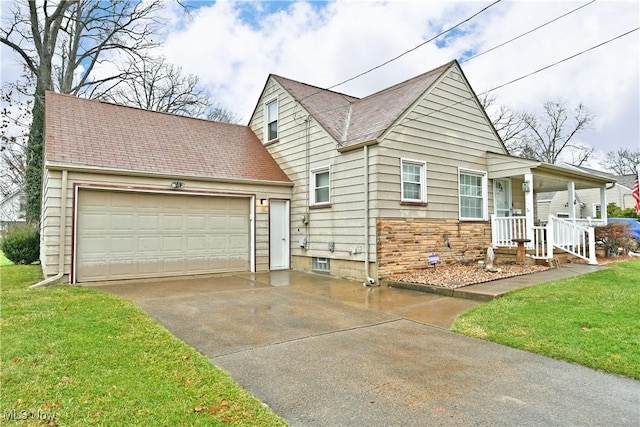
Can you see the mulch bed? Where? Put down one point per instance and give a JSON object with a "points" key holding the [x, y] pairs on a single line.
{"points": [[454, 276]]}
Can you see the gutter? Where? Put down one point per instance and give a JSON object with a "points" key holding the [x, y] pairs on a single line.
{"points": [[128, 172], [63, 235]]}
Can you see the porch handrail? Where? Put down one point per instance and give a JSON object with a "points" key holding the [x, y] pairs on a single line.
{"points": [[574, 238], [506, 228]]}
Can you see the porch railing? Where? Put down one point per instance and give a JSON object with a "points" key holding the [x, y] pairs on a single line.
{"points": [[573, 236], [506, 228]]}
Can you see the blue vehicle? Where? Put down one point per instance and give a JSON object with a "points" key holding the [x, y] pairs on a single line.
{"points": [[634, 225]]}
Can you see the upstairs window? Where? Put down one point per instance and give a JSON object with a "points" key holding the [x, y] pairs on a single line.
{"points": [[271, 120], [473, 195], [413, 181], [320, 186]]}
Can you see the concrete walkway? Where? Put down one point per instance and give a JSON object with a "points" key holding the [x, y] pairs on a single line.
{"points": [[328, 352]]}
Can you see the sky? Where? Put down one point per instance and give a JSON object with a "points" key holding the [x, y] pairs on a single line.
{"points": [[232, 46]]}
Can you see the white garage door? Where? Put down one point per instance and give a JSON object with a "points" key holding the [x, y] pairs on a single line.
{"points": [[123, 235]]}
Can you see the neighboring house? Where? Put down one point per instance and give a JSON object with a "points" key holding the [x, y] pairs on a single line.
{"points": [[317, 181], [587, 203], [12, 211]]}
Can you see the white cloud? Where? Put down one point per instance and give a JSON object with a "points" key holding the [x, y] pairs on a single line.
{"points": [[233, 45]]}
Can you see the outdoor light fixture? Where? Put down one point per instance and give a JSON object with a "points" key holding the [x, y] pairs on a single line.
{"points": [[177, 184], [526, 186], [263, 202]]}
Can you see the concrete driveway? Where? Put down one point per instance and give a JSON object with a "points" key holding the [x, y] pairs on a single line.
{"points": [[327, 352]]}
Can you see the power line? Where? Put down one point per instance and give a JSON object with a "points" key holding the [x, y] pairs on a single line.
{"points": [[403, 53], [461, 62], [528, 32], [404, 121]]}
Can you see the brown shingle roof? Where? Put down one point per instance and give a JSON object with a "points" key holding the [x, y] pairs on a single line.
{"points": [[365, 118], [94, 133]]}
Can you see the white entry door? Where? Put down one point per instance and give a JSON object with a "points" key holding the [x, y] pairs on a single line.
{"points": [[279, 234], [502, 197]]}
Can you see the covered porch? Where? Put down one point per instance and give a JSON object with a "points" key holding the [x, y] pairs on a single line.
{"points": [[517, 182]]}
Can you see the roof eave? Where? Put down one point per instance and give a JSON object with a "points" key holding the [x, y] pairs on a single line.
{"points": [[129, 172], [357, 146]]}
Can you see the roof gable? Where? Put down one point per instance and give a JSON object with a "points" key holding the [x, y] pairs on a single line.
{"points": [[97, 134], [351, 121]]}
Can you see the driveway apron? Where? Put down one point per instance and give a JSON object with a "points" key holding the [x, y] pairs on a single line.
{"points": [[327, 352]]}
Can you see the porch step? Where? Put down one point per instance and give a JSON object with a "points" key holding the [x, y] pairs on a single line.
{"points": [[508, 255]]}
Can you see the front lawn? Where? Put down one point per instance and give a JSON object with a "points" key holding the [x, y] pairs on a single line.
{"points": [[92, 358], [592, 319]]}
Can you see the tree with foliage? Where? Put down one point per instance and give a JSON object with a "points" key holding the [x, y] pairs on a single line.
{"points": [[622, 162], [615, 211], [60, 43]]}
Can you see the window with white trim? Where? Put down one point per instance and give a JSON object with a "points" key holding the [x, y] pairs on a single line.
{"points": [[472, 190], [414, 185], [271, 120], [597, 210], [320, 186]]}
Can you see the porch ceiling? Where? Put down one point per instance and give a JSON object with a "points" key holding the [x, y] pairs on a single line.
{"points": [[546, 177]]}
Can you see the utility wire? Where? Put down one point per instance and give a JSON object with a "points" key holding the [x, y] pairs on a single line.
{"points": [[461, 62], [403, 53], [528, 32], [420, 115]]}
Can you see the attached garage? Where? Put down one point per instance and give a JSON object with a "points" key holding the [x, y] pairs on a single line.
{"points": [[131, 194], [126, 235]]}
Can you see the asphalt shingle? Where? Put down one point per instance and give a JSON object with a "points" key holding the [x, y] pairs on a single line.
{"points": [[93, 133]]}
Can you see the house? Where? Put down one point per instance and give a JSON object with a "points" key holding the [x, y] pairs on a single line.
{"points": [[587, 203], [12, 210], [318, 181]]}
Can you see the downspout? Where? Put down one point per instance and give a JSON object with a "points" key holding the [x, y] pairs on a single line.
{"points": [[370, 281], [63, 235]]}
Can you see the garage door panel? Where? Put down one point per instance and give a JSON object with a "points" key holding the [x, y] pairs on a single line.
{"points": [[149, 222], [173, 222], [124, 235], [149, 244], [123, 245], [237, 243], [196, 222], [197, 244]]}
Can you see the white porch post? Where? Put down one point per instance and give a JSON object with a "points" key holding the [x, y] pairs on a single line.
{"points": [[571, 196], [603, 204], [529, 205]]}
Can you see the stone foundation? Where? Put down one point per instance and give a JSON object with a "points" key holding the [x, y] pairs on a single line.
{"points": [[405, 243]]}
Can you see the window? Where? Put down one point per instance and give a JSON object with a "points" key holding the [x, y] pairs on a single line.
{"points": [[271, 120], [320, 186], [473, 195], [413, 181], [597, 210], [321, 265]]}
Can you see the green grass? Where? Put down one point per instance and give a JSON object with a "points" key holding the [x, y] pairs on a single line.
{"points": [[96, 359], [592, 320], [4, 261]]}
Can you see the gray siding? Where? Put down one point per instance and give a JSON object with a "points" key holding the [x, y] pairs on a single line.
{"points": [[341, 222], [50, 220], [456, 137]]}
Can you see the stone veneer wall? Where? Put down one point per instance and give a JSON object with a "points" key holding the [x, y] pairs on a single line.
{"points": [[405, 243]]}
